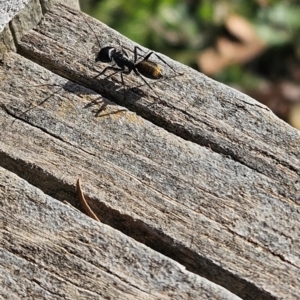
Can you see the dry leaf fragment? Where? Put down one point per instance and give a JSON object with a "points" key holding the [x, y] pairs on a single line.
{"points": [[83, 203]]}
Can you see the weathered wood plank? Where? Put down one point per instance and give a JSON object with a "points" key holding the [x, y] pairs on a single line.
{"points": [[193, 107], [9, 9], [28, 17], [49, 251], [19, 16], [219, 218], [6, 41]]}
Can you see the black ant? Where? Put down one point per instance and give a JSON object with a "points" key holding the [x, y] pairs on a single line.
{"points": [[142, 68]]}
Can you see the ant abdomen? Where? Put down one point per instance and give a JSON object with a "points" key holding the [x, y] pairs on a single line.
{"points": [[149, 69]]}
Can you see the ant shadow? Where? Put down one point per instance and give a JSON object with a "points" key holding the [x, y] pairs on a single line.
{"points": [[102, 102], [112, 89]]}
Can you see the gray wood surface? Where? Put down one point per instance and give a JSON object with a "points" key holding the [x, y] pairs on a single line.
{"points": [[206, 175], [193, 107], [9, 9], [17, 17], [51, 251]]}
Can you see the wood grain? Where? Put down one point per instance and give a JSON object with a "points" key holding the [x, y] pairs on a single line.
{"points": [[208, 176], [195, 107], [49, 251]]}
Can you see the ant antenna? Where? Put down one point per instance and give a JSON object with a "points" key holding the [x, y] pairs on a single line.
{"points": [[92, 30]]}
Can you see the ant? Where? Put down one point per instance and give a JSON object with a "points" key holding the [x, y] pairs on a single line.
{"points": [[141, 67]]}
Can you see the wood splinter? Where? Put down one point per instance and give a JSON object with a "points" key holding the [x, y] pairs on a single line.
{"points": [[83, 203]]}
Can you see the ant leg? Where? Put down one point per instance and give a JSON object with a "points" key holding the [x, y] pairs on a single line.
{"points": [[117, 70], [124, 92], [163, 79], [124, 52], [135, 51], [145, 81]]}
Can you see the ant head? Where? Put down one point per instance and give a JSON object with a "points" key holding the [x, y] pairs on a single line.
{"points": [[106, 54]]}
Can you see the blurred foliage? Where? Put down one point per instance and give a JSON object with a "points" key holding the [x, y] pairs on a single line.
{"points": [[183, 30], [193, 25]]}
